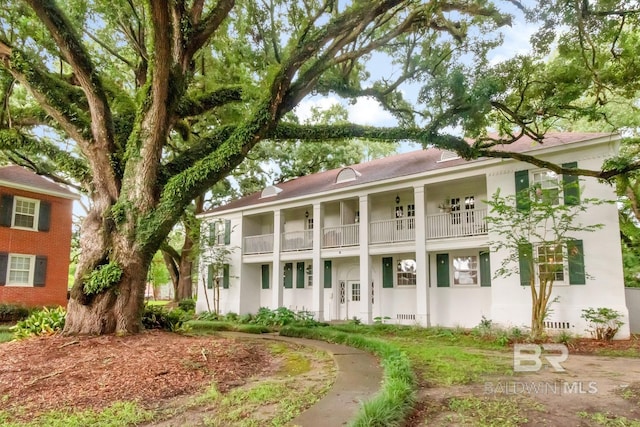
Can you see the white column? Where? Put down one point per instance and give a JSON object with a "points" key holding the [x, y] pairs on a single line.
{"points": [[422, 267], [365, 263], [318, 270], [276, 271]]}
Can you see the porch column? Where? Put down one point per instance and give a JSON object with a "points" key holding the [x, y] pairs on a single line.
{"points": [[316, 262], [422, 267], [276, 271], [365, 263]]}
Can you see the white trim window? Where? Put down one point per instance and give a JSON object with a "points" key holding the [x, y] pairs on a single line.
{"points": [[25, 213], [406, 272], [547, 186], [220, 230], [20, 270], [309, 273], [550, 261], [465, 270]]}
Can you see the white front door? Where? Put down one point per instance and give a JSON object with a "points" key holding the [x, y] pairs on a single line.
{"points": [[349, 295]]}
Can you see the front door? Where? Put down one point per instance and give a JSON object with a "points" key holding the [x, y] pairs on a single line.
{"points": [[349, 297]]}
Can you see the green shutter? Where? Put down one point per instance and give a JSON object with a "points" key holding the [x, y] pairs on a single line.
{"points": [[485, 269], [300, 275], [44, 216], [442, 270], [523, 202], [227, 232], [327, 274], [576, 262], [387, 272], [6, 210], [571, 186], [225, 276], [288, 275], [40, 272], [212, 233], [265, 276], [525, 256], [210, 276]]}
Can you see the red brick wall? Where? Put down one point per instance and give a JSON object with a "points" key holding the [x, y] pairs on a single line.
{"points": [[55, 244]]}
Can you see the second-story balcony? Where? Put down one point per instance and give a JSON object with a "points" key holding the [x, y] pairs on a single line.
{"points": [[262, 244], [341, 236], [392, 230], [457, 224], [297, 240]]}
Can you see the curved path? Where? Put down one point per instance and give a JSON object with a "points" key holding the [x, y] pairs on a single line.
{"points": [[358, 379]]}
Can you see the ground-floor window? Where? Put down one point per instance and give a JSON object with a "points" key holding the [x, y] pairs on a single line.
{"points": [[406, 272], [465, 270]]}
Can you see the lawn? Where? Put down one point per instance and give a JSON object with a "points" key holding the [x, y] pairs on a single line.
{"points": [[5, 333]]}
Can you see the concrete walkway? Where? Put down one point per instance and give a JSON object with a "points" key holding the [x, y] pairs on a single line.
{"points": [[358, 379]]}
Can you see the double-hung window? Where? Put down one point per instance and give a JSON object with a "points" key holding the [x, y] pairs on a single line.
{"points": [[25, 213], [550, 260], [406, 272], [21, 269], [547, 186], [465, 270]]}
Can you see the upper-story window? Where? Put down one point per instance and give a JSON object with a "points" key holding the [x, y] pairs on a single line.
{"points": [[25, 213], [220, 232], [547, 186]]}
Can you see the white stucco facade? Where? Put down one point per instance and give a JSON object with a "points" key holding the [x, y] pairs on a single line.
{"points": [[409, 249]]}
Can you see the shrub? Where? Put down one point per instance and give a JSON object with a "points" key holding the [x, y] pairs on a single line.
{"points": [[41, 322], [187, 304], [604, 322], [13, 312], [283, 316], [208, 315], [231, 317], [156, 317]]}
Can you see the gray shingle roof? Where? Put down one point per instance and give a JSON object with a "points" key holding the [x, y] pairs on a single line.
{"points": [[19, 177]]}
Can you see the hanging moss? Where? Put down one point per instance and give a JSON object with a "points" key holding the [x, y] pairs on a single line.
{"points": [[102, 278]]}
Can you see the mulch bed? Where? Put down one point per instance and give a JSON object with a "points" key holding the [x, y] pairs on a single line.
{"points": [[42, 374]]}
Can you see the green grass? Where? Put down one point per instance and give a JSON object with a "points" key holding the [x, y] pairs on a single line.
{"points": [[608, 420], [5, 333], [203, 327], [489, 412], [158, 302], [116, 415]]}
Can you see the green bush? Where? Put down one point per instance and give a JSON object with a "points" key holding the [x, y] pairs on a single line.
{"points": [[231, 317], [13, 312], [41, 322], [209, 315], [283, 316], [604, 322], [187, 304], [156, 317]]}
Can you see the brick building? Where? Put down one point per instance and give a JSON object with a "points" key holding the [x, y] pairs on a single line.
{"points": [[35, 238]]}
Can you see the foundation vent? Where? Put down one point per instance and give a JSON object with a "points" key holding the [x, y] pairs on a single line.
{"points": [[557, 325], [405, 317]]}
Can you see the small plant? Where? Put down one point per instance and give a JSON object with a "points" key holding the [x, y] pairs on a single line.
{"points": [[42, 322], [604, 322], [187, 304], [13, 312], [209, 315], [156, 317], [231, 317], [484, 328], [355, 321], [563, 337]]}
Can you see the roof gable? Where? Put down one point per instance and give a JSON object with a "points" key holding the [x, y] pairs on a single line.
{"points": [[21, 178]]}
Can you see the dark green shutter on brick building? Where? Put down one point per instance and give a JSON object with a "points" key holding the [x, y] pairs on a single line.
{"points": [[442, 270], [387, 272]]}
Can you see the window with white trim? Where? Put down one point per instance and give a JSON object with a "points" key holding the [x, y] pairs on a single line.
{"points": [[547, 185], [550, 261], [465, 270], [406, 272], [219, 233], [20, 270], [25, 213]]}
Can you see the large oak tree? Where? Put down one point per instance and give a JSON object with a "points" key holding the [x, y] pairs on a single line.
{"points": [[145, 105]]}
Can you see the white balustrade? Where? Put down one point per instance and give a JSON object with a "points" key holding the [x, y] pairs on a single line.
{"points": [[341, 236], [297, 240], [262, 244], [392, 230], [457, 224]]}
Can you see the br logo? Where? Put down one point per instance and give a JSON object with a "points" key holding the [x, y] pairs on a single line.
{"points": [[528, 357]]}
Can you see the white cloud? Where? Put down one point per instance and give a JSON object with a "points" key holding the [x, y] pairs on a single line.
{"points": [[516, 41], [367, 111], [303, 110]]}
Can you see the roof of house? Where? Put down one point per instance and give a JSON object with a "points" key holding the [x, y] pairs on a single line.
{"points": [[21, 178], [395, 166]]}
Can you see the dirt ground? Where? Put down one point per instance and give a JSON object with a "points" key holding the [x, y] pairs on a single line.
{"points": [[42, 374], [589, 384]]}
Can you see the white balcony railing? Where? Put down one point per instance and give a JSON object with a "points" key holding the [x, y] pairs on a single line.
{"points": [[392, 230], [341, 236], [262, 244], [297, 240], [457, 224]]}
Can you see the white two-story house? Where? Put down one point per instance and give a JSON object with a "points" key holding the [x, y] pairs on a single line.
{"points": [[405, 240]]}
